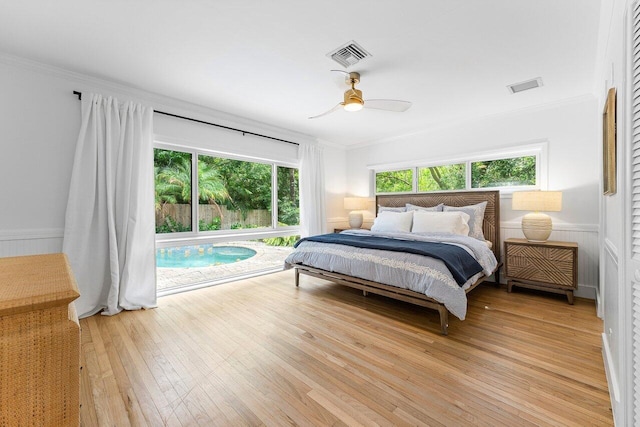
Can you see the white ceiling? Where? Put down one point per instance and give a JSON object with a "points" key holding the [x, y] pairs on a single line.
{"points": [[266, 60]]}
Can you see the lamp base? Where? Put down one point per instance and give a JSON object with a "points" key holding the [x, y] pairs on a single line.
{"points": [[536, 226], [355, 219]]}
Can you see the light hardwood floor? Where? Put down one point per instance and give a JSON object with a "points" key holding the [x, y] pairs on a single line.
{"points": [[261, 352]]}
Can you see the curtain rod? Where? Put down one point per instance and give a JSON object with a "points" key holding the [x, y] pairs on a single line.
{"points": [[244, 132]]}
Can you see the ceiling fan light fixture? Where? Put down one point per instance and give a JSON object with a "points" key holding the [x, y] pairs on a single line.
{"points": [[353, 105], [353, 99]]}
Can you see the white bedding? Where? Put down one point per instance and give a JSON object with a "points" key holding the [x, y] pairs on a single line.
{"points": [[418, 273]]}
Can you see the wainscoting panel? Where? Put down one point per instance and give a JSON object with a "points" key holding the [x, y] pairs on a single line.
{"points": [[30, 242], [586, 236]]}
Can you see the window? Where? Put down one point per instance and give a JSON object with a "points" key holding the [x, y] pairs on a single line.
{"points": [[514, 172], [173, 191], [288, 196], [399, 181], [440, 178], [232, 194], [220, 217], [506, 170]]}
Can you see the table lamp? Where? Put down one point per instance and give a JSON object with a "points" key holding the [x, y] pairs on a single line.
{"points": [[355, 205], [536, 225]]}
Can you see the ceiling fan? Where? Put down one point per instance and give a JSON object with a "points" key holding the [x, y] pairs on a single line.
{"points": [[353, 99]]}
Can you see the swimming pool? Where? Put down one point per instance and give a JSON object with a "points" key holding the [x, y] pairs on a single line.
{"points": [[201, 256]]}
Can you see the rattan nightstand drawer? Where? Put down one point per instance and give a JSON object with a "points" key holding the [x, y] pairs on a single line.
{"points": [[549, 265], [541, 252], [540, 270]]}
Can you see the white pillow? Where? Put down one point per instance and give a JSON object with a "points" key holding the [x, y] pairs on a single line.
{"points": [[393, 222], [476, 214], [440, 222]]}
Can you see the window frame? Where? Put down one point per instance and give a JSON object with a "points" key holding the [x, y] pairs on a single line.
{"points": [[195, 236], [538, 149]]}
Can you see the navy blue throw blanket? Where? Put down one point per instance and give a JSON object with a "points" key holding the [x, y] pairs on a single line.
{"points": [[459, 262]]}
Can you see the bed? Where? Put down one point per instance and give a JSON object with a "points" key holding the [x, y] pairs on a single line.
{"points": [[425, 285]]}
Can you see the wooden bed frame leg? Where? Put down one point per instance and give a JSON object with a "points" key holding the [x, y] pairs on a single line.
{"points": [[297, 275], [444, 320]]}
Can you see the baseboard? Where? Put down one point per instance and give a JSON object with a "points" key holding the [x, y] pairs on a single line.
{"points": [[586, 291], [612, 378]]}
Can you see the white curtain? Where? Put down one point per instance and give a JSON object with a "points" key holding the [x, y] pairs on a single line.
{"points": [[109, 234], [312, 204]]}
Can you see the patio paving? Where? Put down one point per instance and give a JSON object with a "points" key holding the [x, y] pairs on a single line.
{"points": [[266, 258]]}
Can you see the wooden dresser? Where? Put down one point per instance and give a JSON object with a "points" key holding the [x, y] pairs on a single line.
{"points": [[39, 342], [548, 266]]}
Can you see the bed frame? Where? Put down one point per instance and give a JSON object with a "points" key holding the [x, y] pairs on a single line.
{"points": [[490, 226]]}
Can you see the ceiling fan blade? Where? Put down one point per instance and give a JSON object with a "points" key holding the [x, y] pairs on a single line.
{"points": [[387, 104], [340, 104]]}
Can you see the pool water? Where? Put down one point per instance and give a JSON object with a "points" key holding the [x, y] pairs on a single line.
{"points": [[201, 256]]}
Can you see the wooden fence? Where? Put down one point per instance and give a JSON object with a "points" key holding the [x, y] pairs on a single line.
{"points": [[207, 213]]}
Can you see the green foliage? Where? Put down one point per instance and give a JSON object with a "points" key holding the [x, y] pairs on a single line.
{"points": [[446, 177], [170, 225], [288, 196], [215, 224], [173, 179], [248, 183], [394, 181], [236, 184], [281, 241], [504, 172], [172, 173], [490, 173]]}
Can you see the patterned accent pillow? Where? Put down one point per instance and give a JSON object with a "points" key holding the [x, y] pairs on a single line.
{"points": [[476, 217], [436, 208], [390, 209]]}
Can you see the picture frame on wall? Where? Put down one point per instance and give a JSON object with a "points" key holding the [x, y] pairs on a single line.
{"points": [[609, 144]]}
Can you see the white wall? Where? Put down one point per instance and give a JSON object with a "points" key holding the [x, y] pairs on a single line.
{"points": [[571, 132], [335, 185], [616, 286], [40, 120]]}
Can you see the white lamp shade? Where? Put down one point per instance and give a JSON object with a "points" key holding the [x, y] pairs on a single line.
{"points": [[537, 201], [355, 203]]}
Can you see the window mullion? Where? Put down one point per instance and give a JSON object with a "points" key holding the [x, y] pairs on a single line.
{"points": [[467, 175], [195, 200], [274, 196]]}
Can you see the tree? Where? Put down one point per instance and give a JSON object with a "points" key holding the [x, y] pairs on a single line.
{"points": [[504, 172], [394, 181], [288, 196], [445, 177]]}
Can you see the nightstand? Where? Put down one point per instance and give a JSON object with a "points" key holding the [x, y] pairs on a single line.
{"points": [[548, 266], [337, 230]]}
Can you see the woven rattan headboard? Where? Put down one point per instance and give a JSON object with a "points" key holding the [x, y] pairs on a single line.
{"points": [[491, 224]]}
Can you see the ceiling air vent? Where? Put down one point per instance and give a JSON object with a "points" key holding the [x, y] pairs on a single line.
{"points": [[349, 54], [522, 86]]}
